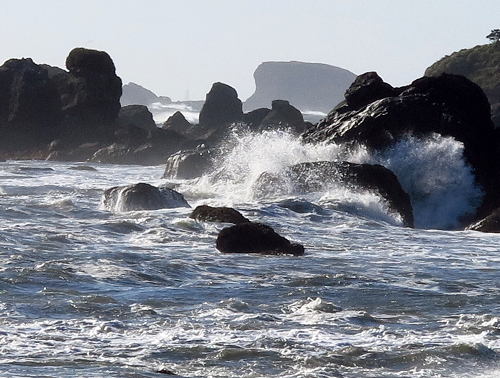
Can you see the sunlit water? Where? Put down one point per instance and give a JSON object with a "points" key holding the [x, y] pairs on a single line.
{"points": [[89, 293]]}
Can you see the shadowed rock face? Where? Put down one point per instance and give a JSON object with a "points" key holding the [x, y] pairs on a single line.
{"points": [[377, 115], [255, 238], [316, 176], [90, 93], [218, 214], [222, 107], [142, 197], [29, 105], [281, 116]]}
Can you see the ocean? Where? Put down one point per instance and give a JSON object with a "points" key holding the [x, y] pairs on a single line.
{"points": [[88, 292]]}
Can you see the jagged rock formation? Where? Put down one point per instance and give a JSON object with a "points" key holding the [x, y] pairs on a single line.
{"points": [[377, 115], [307, 86]]}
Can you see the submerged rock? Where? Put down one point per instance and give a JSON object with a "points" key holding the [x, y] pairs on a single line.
{"points": [[317, 176], [255, 238], [142, 197], [218, 214]]}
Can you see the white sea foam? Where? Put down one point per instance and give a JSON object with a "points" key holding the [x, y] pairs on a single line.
{"points": [[432, 170]]}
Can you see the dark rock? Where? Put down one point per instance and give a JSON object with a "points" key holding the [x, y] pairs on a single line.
{"points": [[222, 107], [366, 89], [59, 151], [283, 116], [310, 177], [90, 95], [255, 117], [218, 214], [255, 238], [30, 113], [136, 146], [187, 165], [142, 197], [308, 86], [178, 123], [136, 115], [489, 224], [448, 105]]}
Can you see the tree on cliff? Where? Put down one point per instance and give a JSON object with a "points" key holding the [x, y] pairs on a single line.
{"points": [[494, 35]]}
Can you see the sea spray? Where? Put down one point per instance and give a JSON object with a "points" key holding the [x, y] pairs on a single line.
{"points": [[434, 173], [248, 155], [431, 170]]}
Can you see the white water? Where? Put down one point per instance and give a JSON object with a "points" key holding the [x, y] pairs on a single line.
{"points": [[90, 293]]}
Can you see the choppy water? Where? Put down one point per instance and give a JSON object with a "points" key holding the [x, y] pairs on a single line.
{"points": [[89, 293]]}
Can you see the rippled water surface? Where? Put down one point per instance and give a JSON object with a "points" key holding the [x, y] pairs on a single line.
{"points": [[89, 293]]}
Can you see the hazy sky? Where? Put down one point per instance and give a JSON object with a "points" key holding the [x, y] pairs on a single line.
{"points": [[178, 48]]}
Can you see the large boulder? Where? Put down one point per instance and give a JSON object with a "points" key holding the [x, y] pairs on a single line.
{"points": [[255, 238], [317, 176], [222, 107], [185, 165], [377, 116], [90, 94], [308, 86], [218, 214], [141, 196], [30, 114], [136, 115]]}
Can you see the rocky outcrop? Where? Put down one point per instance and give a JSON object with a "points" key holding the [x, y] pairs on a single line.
{"points": [[308, 86], [317, 176], [218, 214], [282, 116], [449, 105], [90, 95], [30, 107], [136, 115], [222, 107], [178, 123], [141, 197], [255, 238]]}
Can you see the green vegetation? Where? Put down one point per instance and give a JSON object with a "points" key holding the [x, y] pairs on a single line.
{"points": [[480, 64]]}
